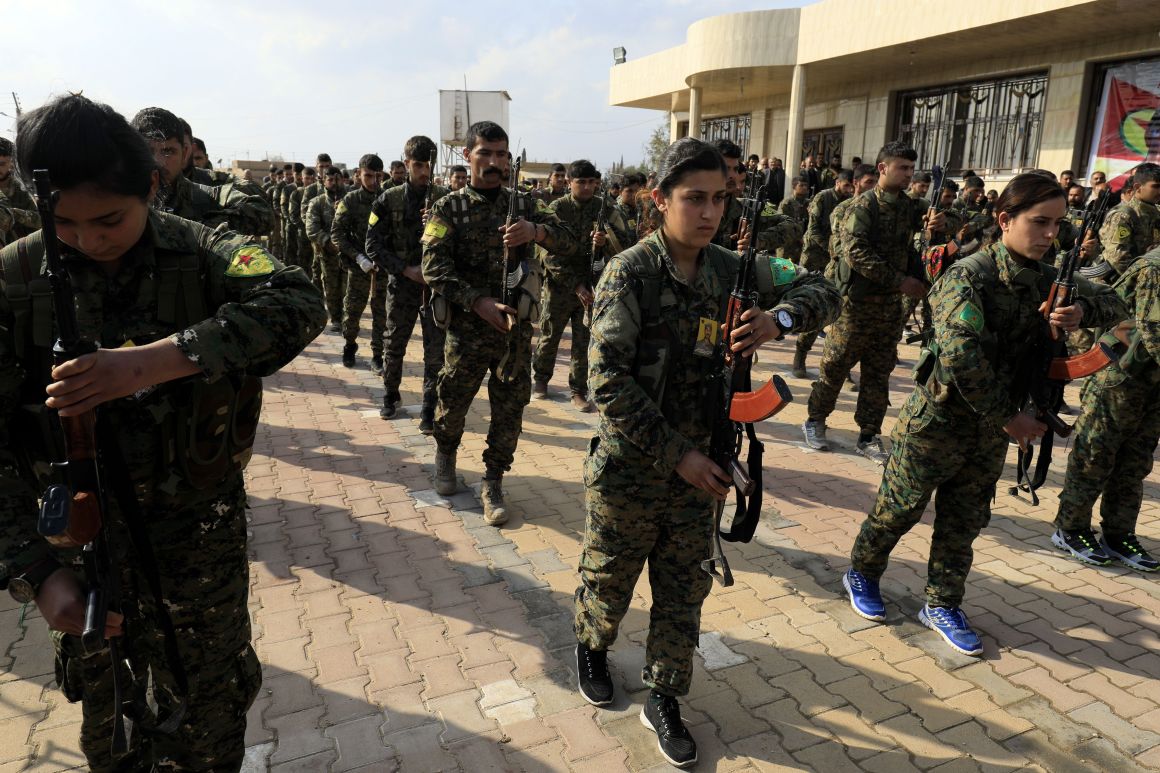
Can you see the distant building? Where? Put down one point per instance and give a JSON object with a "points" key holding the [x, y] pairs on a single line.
{"points": [[990, 85]]}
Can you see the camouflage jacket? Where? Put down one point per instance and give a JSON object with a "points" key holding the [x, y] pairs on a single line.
{"points": [[726, 235], [575, 265], [652, 396], [294, 208], [308, 194], [876, 238], [284, 202], [6, 219], [395, 226], [348, 231], [261, 315], [319, 219], [977, 219], [1130, 229], [797, 210], [211, 177], [816, 241], [986, 322], [547, 195], [241, 212], [25, 217], [631, 217], [463, 246], [1140, 289]]}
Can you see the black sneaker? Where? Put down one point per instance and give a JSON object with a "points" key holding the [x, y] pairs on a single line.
{"points": [[377, 365], [662, 715], [592, 675], [388, 410], [1127, 550], [1082, 545], [348, 355]]}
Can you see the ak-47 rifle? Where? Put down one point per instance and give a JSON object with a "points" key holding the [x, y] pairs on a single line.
{"points": [[597, 255], [736, 408], [72, 514], [512, 273], [1051, 369]]}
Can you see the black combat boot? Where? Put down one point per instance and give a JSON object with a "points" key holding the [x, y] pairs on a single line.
{"points": [[377, 364], [389, 408], [348, 355], [427, 419]]}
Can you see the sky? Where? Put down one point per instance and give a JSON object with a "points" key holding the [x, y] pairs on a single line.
{"points": [[292, 79]]}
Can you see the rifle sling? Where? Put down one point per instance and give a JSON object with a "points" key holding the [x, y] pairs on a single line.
{"points": [[122, 489]]}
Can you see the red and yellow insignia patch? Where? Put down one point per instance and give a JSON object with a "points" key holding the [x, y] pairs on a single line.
{"points": [[250, 260]]}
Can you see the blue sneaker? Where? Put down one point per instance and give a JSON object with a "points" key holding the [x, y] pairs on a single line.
{"points": [[865, 597], [951, 624]]}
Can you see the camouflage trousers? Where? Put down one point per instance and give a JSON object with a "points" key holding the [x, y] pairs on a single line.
{"points": [[1112, 451], [404, 304], [331, 276], [634, 518], [958, 456], [204, 576], [276, 244], [472, 350], [866, 332], [361, 287], [559, 306]]}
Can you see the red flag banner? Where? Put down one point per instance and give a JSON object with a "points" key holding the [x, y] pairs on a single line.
{"points": [[1127, 129]]}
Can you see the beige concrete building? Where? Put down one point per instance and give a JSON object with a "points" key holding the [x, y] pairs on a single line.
{"points": [[990, 85]]}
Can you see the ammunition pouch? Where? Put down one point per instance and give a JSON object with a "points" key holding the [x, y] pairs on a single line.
{"points": [[440, 311], [527, 294], [211, 434]]}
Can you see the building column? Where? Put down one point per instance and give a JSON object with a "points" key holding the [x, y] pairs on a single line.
{"points": [[695, 112], [797, 119], [674, 121]]}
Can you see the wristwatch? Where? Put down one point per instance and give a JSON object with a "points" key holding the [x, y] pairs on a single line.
{"points": [[24, 587], [785, 320]]}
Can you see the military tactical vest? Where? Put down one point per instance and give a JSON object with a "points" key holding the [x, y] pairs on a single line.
{"points": [[1134, 359], [206, 429], [660, 350]]}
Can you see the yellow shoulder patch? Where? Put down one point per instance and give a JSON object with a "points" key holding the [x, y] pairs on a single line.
{"points": [[1123, 233], [435, 232], [250, 260], [769, 210], [374, 218], [341, 208]]}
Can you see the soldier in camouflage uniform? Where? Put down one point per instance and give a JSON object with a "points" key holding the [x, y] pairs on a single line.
{"points": [[816, 250], [649, 486], [796, 208], [304, 255], [25, 218], [1116, 435], [212, 206], [348, 233], [256, 316], [951, 435], [322, 163], [273, 192], [876, 265], [1132, 228], [557, 186], [463, 263], [568, 281], [392, 243], [289, 227], [627, 204], [972, 212], [319, 219]]}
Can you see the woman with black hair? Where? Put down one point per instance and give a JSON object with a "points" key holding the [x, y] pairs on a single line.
{"points": [[186, 320], [651, 488]]}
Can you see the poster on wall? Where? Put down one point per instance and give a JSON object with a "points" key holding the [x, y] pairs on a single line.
{"points": [[1127, 128]]}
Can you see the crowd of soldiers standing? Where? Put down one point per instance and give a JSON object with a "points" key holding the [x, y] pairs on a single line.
{"points": [[640, 268]]}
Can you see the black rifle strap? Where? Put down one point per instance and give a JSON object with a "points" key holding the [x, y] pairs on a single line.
{"points": [[1024, 480], [117, 473], [748, 512]]}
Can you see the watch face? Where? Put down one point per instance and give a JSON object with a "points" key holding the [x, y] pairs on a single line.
{"points": [[21, 590], [784, 320]]}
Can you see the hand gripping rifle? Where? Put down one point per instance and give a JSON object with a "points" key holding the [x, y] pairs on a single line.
{"points": [[597, 255], [736, 408], [1051, 370], [514, 270], [73, 514]]}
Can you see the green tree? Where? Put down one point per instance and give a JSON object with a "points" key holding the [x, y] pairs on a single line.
{"points": [[655, 146]]}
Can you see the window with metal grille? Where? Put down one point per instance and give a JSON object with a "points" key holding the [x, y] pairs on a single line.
{"points": [[728, 127], [992, 127]]}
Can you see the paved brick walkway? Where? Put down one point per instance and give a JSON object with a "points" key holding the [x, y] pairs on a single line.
{"points": [[400, 633]]}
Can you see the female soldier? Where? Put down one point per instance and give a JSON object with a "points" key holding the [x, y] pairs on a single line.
{"points": [[987, 311], [185, 318], [650, 486]]}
